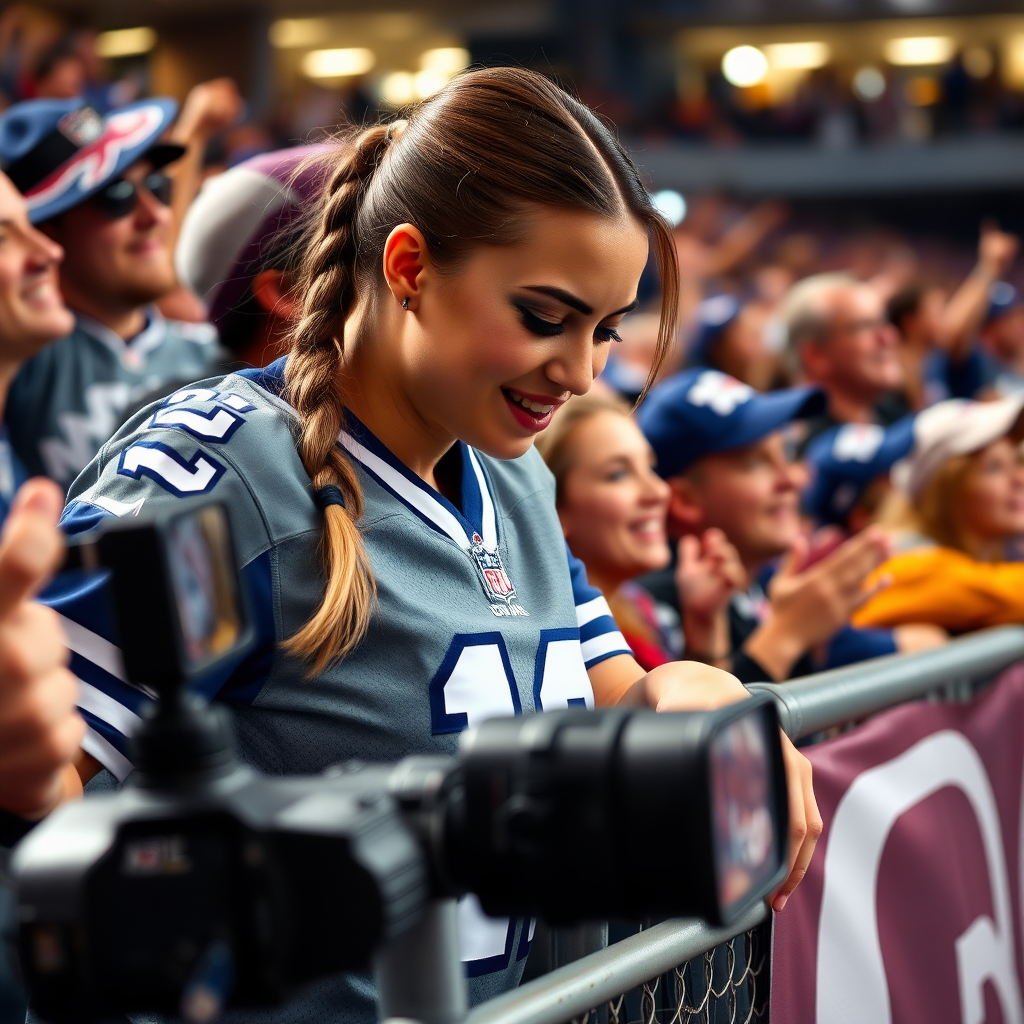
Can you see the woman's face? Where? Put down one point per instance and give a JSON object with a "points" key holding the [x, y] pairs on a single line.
{"points": [[613, 504], [495, 347], [992, 495]]}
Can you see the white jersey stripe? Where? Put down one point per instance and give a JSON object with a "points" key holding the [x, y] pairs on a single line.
{"points": [[108, 755], [411, 494], [603, 644], [104, 707], [94, 648], [591, 610]]}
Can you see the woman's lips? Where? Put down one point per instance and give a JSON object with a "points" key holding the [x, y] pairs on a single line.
{"points": [[529, 410]]}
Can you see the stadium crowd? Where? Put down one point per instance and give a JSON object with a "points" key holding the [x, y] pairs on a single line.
{"points": [[826, 469]]}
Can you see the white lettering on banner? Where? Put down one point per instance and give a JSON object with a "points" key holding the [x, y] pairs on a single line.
{"points": [[851, 983]]}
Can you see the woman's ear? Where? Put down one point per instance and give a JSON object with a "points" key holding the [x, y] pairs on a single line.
{"points": [[406, 264], [272, 290]]}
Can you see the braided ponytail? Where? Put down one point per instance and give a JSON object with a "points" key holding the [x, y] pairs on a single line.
{"points": [[327, 284]]}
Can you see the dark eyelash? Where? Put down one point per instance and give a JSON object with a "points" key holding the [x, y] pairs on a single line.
{"points": [[538, 325], [607, 334]]}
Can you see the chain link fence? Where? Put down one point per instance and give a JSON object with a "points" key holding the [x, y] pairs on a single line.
{"points": [[729, 984]]}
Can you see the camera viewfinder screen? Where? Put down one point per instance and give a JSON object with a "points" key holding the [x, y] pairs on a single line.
{"points": [[205, 584], [743, 808]]}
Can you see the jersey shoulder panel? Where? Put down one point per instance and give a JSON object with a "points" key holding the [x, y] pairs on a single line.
{"points": [[223, 437]]}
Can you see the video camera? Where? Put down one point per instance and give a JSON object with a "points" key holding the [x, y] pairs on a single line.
{"points": [[203, 884]]}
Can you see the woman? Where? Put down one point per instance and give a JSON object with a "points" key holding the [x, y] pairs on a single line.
{"points": [[958, 507], [464, 275], [612, 507]]}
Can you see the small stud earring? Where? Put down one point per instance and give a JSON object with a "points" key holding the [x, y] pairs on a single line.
{"points": [[405, 302]]}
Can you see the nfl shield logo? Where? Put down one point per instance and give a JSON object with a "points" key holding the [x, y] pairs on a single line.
{"points": [[500, 590]]}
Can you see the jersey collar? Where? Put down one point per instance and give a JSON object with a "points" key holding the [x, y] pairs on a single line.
{"points": [[477, 518], [476, 521]]}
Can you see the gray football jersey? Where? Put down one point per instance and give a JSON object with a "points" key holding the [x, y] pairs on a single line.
{"points": [[480, 610], [69, 398]]}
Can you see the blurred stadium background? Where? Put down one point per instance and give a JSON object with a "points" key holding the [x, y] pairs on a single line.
{"points": [[882, 124]]}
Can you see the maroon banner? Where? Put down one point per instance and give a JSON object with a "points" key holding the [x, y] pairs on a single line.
{"points": [[911, 911]]}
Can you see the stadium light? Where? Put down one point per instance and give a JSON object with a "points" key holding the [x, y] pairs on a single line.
{"points": [[288, 33], [354, 60], [744, 66], [445, 60], [869, 84], [398, 88], [671, 205], [125, 42], [798, 56], [914, 50]]}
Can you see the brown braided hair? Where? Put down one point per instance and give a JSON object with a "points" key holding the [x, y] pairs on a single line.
{"points": [[463, 169]]}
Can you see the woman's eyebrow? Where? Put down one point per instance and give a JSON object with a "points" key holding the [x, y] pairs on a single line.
{"points": [[570, 300]]}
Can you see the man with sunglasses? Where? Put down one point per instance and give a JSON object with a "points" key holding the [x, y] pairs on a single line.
{"points": [[97, 186]]}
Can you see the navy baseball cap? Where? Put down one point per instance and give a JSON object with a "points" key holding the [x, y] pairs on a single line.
{"points": [[1002, 298], [57, 153], [699, 412], [711, 319], [844, 460]]}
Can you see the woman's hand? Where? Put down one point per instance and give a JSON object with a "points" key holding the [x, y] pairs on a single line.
{"points": [[689, 686], [40, 729]]}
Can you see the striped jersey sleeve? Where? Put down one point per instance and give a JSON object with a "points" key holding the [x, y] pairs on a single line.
{"points": [[110, 703], [600, 637]]}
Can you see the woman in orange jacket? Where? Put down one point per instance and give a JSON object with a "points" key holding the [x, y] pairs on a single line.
{"points": [[958, 506]]}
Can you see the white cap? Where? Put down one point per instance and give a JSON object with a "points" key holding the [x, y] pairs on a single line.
{"points": [[948, 429]]}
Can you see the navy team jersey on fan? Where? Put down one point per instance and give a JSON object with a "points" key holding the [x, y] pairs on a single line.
{"points": [[481, 610], [70, 397]]}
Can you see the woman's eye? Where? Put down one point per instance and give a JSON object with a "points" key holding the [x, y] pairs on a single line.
{"points": [[538, 325], [606, 334], [616, 475]]}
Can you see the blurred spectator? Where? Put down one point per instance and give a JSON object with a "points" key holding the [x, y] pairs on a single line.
{"points": [[722, 448], [730, 336], [612, 507], [32, 313], [849, 470], [115, 229], [939, 352], [839, 339], [960, 503], [236, 245], [1002, 338]]}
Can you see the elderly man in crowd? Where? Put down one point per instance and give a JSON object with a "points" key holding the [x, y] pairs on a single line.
{"points": [[840, 339]]}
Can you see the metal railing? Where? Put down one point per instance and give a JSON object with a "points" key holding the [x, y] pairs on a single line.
{"points": [[806, 706]]}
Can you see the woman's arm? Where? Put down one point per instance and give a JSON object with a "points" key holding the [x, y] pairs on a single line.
{"points": [[689, 686]]}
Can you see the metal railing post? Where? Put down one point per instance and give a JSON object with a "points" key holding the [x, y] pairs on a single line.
{"points": [[420, 975]]}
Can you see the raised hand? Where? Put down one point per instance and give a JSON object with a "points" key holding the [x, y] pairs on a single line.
{"points": [[40, 729]]}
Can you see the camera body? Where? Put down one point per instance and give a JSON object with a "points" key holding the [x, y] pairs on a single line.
{"points": [[125, 898], [202, 884]]}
